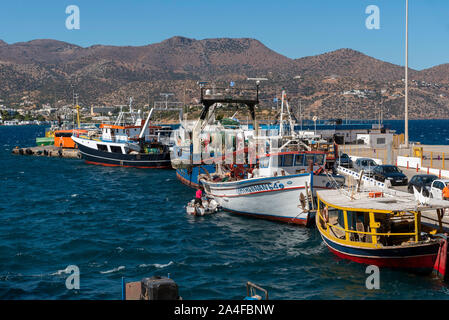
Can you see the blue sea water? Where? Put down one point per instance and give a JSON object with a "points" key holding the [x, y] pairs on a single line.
{"points": [[124, 222]]}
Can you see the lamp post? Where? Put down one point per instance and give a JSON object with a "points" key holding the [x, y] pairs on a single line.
{"points": [[406, 74]]}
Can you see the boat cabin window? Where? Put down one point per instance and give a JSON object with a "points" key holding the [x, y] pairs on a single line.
{"points": [[279, 160], [319, 159], [102, 147], [299, 159], [264, 162], [309, 158], [336, 217], [288, 160], [116, 149], [359, 221]]}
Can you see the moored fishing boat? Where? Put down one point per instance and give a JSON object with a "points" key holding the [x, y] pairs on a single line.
{"points": [[136, 145], [280, 187], [380, 227]]}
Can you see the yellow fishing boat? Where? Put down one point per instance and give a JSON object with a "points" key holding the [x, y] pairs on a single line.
{"points": [[382, 227]]}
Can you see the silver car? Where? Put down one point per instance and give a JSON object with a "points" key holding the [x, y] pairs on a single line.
{"points": [[365, 164]]}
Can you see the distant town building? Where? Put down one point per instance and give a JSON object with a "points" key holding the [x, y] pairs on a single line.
{"points": [[101, 111]]}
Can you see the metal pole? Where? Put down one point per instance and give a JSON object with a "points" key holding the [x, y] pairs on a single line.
{"points": [[406, 73], [346, 113]]}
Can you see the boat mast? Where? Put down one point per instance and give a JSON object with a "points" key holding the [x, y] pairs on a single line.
{"points": [[290, 120], [131, 110], [145, 126]]}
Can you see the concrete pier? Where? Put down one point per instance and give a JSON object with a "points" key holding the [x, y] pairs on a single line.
{"points": [[48, 151], [433, 156]]}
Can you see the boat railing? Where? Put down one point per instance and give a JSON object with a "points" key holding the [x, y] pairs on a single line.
{"points": [[252, 291], [98, 137], [325, 224]]}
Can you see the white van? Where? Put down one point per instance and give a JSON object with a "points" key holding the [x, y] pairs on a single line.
{"points": [[436, 190]]}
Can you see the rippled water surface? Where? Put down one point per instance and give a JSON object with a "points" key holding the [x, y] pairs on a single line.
{"points": [[124, 222]]}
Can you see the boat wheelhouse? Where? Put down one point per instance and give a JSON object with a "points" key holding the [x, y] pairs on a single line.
{"points": [[380, 227]]}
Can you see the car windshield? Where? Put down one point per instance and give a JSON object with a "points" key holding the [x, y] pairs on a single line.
{"points": [[368, 163], [389, 169]]}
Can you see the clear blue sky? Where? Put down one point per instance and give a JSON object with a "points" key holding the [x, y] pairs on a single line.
{"points": [[294, 28]]}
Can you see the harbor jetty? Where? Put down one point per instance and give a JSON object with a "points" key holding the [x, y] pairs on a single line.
{"points": [[48, 151]]}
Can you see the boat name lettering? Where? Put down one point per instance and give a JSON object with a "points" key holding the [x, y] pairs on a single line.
{"points": [[261, 187]]}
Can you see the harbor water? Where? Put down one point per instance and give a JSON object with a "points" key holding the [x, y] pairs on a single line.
{"points": [[124, 222]]}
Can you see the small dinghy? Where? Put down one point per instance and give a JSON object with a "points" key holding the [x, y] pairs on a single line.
{"points": [[209, 206]]}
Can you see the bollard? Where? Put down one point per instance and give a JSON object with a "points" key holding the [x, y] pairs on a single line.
{"points": [[427, 170], [407, 164], [417, 170], [439, 175]]}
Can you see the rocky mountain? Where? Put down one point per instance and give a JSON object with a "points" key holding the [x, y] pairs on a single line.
{"points": [[438, 73], [45, 70], [353, 64]]}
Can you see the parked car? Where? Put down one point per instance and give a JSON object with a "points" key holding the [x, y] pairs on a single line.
{"points": [[365, 164], [391, 173], [421, 182], [436, 189], [344, 160]]}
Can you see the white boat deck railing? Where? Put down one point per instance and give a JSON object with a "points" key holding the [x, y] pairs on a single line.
{"points": [[365, 179]]}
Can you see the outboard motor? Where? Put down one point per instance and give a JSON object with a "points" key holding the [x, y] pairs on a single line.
{"points": [[159, 288]]}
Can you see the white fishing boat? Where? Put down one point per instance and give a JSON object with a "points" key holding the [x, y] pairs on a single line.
{"points": [[281, 188], [281, 185]]}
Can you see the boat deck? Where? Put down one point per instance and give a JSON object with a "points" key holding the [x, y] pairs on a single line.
{"points": [[392, 200]]}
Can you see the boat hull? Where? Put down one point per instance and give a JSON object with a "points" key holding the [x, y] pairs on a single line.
{"points": [[273, 198], [419, 258], [190, 177], [104, 158]]}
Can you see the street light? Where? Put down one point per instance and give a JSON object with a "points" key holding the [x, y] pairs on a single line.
{"points": [[406, 74]]}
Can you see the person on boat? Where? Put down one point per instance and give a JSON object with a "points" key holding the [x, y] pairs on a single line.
{"points": [[255, 172], [446, 192], [198, 197]]}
